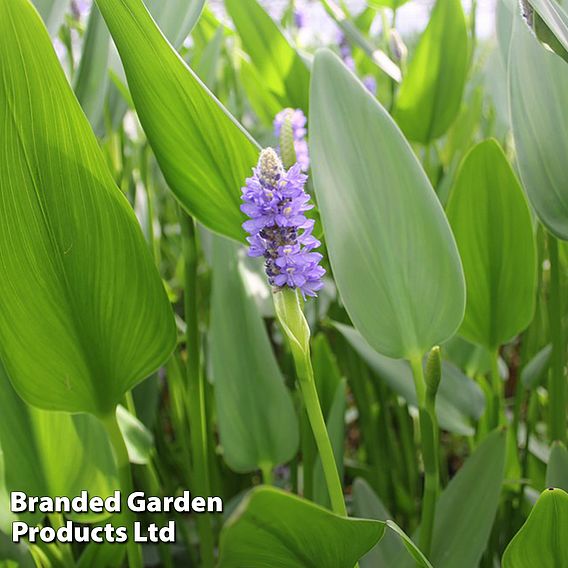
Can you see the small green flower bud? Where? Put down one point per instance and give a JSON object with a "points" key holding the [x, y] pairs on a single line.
{"points": [[433, 372], [287, 148]]}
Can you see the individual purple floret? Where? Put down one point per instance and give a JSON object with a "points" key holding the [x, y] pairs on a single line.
{"points": [[370, 83], [275, 202], [299, 121]]}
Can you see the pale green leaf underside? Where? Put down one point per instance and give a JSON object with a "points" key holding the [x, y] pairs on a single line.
{"points": [[492, 224], [257, 421], [83, 313], [204, 154], [392, 252], [538, 88], [431, 93], [300, 535]]}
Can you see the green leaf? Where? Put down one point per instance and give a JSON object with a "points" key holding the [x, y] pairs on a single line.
{"points": [[83, 312], [326, 372], [534, 371], [391, 249], [557, 469], [467, 507], [257, 421], [551, 25], [459, 400], [430, 95], [91, 81], [392, 4], [204, 153], [176, 18], [52, 13], [282, 69], [495, 238], [388, 551], [53, 453], [367, 505], [542, 539], [138, 439], [538, 83], [277, 529]]}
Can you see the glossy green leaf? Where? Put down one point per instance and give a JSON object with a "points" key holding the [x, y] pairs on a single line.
{"points": [[282, 69], [467, 507], [83, 312], [52, 13], [391, 249], [492, 224], [557, 469], [53, 453], [257, 421], [204, 153], [300, 535], [542, 539], [459, 402], [431, 93], [138, 439], [538, 84]]}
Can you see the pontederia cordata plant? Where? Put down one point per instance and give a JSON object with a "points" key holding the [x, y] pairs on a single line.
{"points": [[295, 270]]}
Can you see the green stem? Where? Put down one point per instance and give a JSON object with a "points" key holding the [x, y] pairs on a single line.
{"points": [[57, 522], [267, 476], [429, 440], [557, 381], [196, 388], [325, 450], [110, 423], [498, 392]]}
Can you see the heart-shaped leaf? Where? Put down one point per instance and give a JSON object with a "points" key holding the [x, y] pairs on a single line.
{"points": [[492, 224], [391, 249], [542, 539], [83, 313], [277, 529], [204, 153]]}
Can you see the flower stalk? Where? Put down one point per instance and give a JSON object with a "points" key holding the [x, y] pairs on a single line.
{"points": [[297, 332], [426, 390]]}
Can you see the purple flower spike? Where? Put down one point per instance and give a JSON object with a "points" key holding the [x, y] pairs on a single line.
{"points": [[275, 202], [298, 121]]}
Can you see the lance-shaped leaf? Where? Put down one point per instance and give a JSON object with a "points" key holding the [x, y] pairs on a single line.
{"points": [[557, 469], [551, 25], [83, 312], [257, 422], [176, 18], [53, 453], [283, 71], [492, 224], [204, 153], [466, 509], [431, 93], [542, 539], [392, 252], [273, 528], [538, 83]]}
